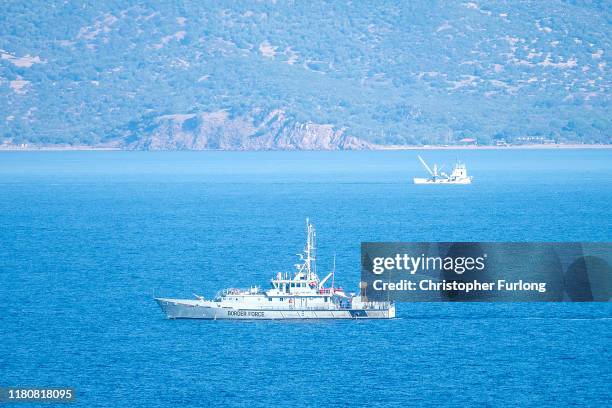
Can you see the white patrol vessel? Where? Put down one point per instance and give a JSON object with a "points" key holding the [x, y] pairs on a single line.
{"points": [[299, 295]]}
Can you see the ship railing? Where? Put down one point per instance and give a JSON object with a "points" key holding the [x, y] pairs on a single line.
{"points": [[291, 307], [383, 305], [237, 291], [348, 306], [227, 291], [377, 305]]}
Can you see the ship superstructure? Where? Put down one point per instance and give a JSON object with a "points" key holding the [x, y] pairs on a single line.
{"points": [[296, 295]]}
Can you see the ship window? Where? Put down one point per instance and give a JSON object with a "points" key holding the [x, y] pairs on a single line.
{"points": [[269, 299], [281, 299]]}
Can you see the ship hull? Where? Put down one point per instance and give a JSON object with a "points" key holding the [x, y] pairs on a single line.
{"points": [[186, 309], [441, 181]]}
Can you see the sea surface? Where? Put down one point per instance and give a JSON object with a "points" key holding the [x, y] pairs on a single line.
{"points": [[87, 239]]}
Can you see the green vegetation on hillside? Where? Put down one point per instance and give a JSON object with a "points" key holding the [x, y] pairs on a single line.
{"points": [[417, 72]]}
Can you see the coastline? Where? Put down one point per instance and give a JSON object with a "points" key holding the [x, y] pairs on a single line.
{"points": [[511, 147], [12, 148], [5, 148]]}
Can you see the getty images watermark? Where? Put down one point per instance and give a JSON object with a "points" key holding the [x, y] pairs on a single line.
{"points": [[485, 271]]}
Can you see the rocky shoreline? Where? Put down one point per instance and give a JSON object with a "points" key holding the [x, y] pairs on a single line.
{"points": [[8, 147]]}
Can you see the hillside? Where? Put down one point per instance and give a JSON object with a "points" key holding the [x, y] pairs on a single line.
{"points": [[303, 75]]}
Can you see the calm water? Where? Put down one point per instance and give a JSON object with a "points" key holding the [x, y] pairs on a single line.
{"points": [[88, 238]]}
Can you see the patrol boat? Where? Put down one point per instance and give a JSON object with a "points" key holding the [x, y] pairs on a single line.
{"points": [[457, 176], [297, 295]]}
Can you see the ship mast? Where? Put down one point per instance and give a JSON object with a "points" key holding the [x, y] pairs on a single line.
{"points": [[310, 251]]}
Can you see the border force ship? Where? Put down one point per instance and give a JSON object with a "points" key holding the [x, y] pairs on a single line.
{"points": [[297, 295], [457, 176]]}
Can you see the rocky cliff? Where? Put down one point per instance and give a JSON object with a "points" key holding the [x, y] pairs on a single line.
{"points": [[219, 130]]}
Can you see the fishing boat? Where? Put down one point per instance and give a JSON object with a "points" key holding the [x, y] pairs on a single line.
{"points": [[437, 176]]}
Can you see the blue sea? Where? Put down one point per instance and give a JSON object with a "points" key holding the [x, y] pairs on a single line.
{"points": [[87, 239]]}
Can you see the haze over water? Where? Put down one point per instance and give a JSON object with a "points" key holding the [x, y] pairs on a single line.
{"points": [[88, 238]]}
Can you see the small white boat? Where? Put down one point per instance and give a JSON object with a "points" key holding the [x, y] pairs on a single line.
{"points": [[458, 175]]}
